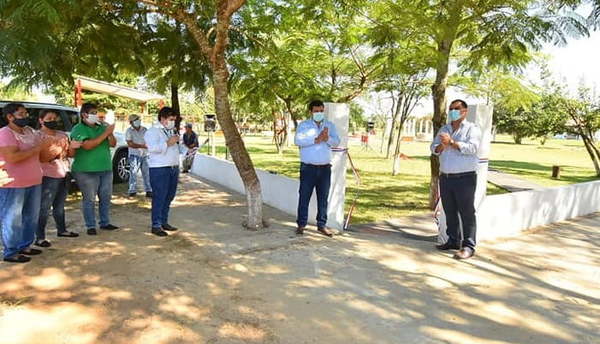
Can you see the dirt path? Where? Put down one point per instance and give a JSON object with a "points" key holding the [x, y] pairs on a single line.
{"points": [[212, 282]]}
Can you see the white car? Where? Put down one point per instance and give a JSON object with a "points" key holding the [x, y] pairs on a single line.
{"points": [[68, 117]]}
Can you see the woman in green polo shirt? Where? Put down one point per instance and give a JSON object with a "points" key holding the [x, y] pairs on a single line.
{"points": [[92, 167]]}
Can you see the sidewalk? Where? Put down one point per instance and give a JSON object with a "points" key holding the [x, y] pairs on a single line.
{"points": [[213, 282], [510, 182]]}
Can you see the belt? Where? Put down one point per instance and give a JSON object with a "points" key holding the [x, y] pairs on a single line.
{"points": [[458, 175], [317, 166], [174, 166]]}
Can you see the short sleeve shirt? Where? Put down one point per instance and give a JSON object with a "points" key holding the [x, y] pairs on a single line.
{"points": [[26, 172], [93, 160], [136, 136], [190, 139], [59, 166]]}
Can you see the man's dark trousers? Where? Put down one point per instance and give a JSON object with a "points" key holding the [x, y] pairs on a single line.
{"points": [[313, 177], [458, 198], [164, 187]]}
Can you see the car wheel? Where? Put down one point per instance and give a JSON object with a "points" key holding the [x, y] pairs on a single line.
{"points": [[121, 167]]}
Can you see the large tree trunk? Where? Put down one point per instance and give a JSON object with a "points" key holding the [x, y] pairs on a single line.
{"points": [[439, 111], [592, 151], [215, 54], [235, 144]]}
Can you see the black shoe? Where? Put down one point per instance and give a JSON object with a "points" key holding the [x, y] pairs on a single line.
{"points": [[43, 243], [31, 252], [159, 232], [68, 235], [168, 227], [132, 194], [149, 194], [109, 227], [91, 231], [300, 230], [19, 258], [448, 246]]}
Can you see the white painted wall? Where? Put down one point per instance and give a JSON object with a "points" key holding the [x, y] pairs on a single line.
{"points": [[278, 191], [498, 215], [339, 114], [508, 214]]}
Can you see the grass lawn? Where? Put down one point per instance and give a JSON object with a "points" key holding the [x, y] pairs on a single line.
{"points": [[384, 196]]}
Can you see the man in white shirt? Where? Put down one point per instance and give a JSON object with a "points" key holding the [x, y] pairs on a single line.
{"points": [[315, 137], [456, 144], [138, 155], [162, 141]]}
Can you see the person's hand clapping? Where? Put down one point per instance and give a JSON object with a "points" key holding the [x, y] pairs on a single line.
{"points": [[445, 139], [75, 144], [110, 129], [4, 178], [173, 140], [323, 136]]}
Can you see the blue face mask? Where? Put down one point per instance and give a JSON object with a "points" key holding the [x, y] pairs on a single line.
{"points": [[318, 116], [454, 115]]}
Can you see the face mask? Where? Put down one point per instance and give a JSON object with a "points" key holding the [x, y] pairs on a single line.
{"points": [[93, 119], [454, 115], [318, 116], [52, 125], [21, 122], [170, 125], [137, 123]]}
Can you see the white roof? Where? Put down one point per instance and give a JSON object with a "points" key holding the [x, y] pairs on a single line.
{"points": [[115, 90]]}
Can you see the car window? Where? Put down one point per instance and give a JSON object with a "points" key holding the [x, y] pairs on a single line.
{"points": [[73, 117], [33, 117]]}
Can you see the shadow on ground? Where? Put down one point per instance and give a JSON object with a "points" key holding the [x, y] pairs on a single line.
{"points": [[213, 282]]}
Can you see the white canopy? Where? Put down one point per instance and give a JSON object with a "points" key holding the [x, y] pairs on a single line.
{"points": [[114, 89]]}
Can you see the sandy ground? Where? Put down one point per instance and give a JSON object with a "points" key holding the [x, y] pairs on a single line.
{"points": [[213, 282]]}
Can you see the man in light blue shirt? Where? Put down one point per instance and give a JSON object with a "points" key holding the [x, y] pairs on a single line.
{"points": [[457, 144], [315, 137]]}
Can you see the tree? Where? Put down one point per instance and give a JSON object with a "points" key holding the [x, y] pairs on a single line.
{"points": [[474, 34], [584, 112], [49, 40]]}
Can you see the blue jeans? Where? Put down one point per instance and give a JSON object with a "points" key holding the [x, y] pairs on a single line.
{"points": [[92, 185], [54, 194], [313, 177], [164, 186], [458, 199], [137, 163], [19, 217]]}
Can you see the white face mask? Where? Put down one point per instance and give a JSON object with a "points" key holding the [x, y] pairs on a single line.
{"points": [[93, 119], [170, 125], [137, 123], [318, 116]]}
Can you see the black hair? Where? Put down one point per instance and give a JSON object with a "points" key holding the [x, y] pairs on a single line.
{"points": [[44, 112], [165, 112], [11, 108], [315, 103], [462, 103], [87, 107]]}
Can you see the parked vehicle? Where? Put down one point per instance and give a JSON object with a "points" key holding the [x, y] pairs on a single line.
{"points": [[68, 117]]}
